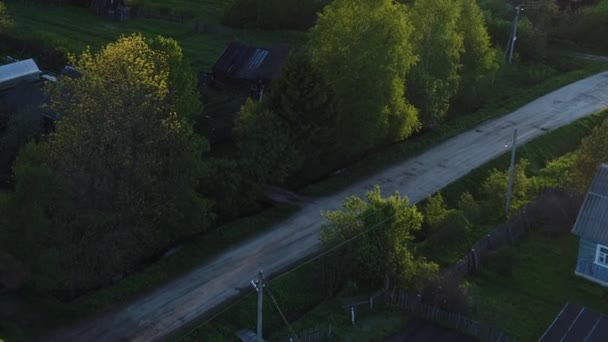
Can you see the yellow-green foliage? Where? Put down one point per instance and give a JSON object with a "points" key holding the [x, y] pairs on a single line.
{"points": [[5, 20], [116, 181], [363, 50], [593, 152], [385, 249], [525, 188]]}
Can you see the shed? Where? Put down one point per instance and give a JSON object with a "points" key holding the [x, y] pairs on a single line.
{"points": [[19, 72], [592, 228], [246, 335], [243, 66], [577, 323]]}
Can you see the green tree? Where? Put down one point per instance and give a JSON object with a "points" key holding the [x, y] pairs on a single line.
{"points": [[5, 20], [434, 80], [558, 172], [470, 208], [385, 247], [435, 211], [532, 41], [304, 102], [123, 162], [363, 50], [264, 145], [479, 60], [592, 153], [21, 128], [494, 188]]}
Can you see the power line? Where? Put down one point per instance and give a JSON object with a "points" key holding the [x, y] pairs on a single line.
{"points": [[280, 312], [211, 318], [335, 247], [294, 269]]}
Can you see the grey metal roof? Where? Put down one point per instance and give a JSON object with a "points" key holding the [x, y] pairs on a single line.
{"points": [[592, 220], [13, 73], [577, 323], [240, 61], [246, 335]]}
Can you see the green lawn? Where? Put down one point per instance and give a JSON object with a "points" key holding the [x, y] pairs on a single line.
{"points": [[542, 281], [73, 29], [210, 11]]}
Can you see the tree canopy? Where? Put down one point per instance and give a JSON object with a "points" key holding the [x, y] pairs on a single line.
{"points": [[479, 59], [116, 181], [439, 43], [305, 104], [5, 21], [387, 225], [363, 50], [592, 153]]}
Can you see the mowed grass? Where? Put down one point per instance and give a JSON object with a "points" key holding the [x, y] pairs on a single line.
{"points": [[73, 29], [210, 11], [542, 282]]}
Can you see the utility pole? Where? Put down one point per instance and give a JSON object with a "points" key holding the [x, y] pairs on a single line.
{"points": [[259, 287], [514, 34], [511, 171]]}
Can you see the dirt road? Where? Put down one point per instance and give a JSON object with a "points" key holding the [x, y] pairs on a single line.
{"points": [[186, 299]]}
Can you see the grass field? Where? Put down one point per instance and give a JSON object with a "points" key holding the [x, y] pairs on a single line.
{"points": [[73, 29], [542, 281]]}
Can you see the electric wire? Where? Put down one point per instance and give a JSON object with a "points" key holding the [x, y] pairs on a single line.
{"points": [[276, 304]]}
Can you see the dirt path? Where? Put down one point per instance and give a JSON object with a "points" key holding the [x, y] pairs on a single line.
{"points": [[165, 310]]}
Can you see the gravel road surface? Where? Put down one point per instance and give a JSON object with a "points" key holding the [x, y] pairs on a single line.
{"points": [[160, 312]]}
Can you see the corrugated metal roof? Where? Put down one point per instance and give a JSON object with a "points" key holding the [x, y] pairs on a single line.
{"points": [[592, 220], [13, 73], [240, 61], [577, 323]]}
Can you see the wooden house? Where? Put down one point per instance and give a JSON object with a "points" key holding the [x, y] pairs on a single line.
{"points": [[577, 323], [592, 228], [246, 68]]}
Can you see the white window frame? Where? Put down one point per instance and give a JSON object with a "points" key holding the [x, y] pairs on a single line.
{"points": [[599, 254]]}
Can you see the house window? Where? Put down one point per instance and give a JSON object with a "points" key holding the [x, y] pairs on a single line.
{"points": [[601, 256]]}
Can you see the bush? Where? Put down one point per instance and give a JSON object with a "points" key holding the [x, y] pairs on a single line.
{"points": [[587, 27], [531, 44], [449, 238], [470, 208], [435, 213], [447, 294]]}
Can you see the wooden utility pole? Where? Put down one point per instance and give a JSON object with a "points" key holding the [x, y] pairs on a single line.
{"points": [[514, 34], [511, 171], [259, 287]]}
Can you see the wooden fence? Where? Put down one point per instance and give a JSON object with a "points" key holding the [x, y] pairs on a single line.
{"points": [[412, 305], [502, 235], [315, 334]]}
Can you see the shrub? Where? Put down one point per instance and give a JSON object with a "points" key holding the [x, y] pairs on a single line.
{"points": [[435, 212], [470, 208], [447, 294], [449, 239]]}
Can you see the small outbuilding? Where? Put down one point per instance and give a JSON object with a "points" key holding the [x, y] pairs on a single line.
{"points": [[18, 73], [577, 323], [245, 67], [592, 228]]}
